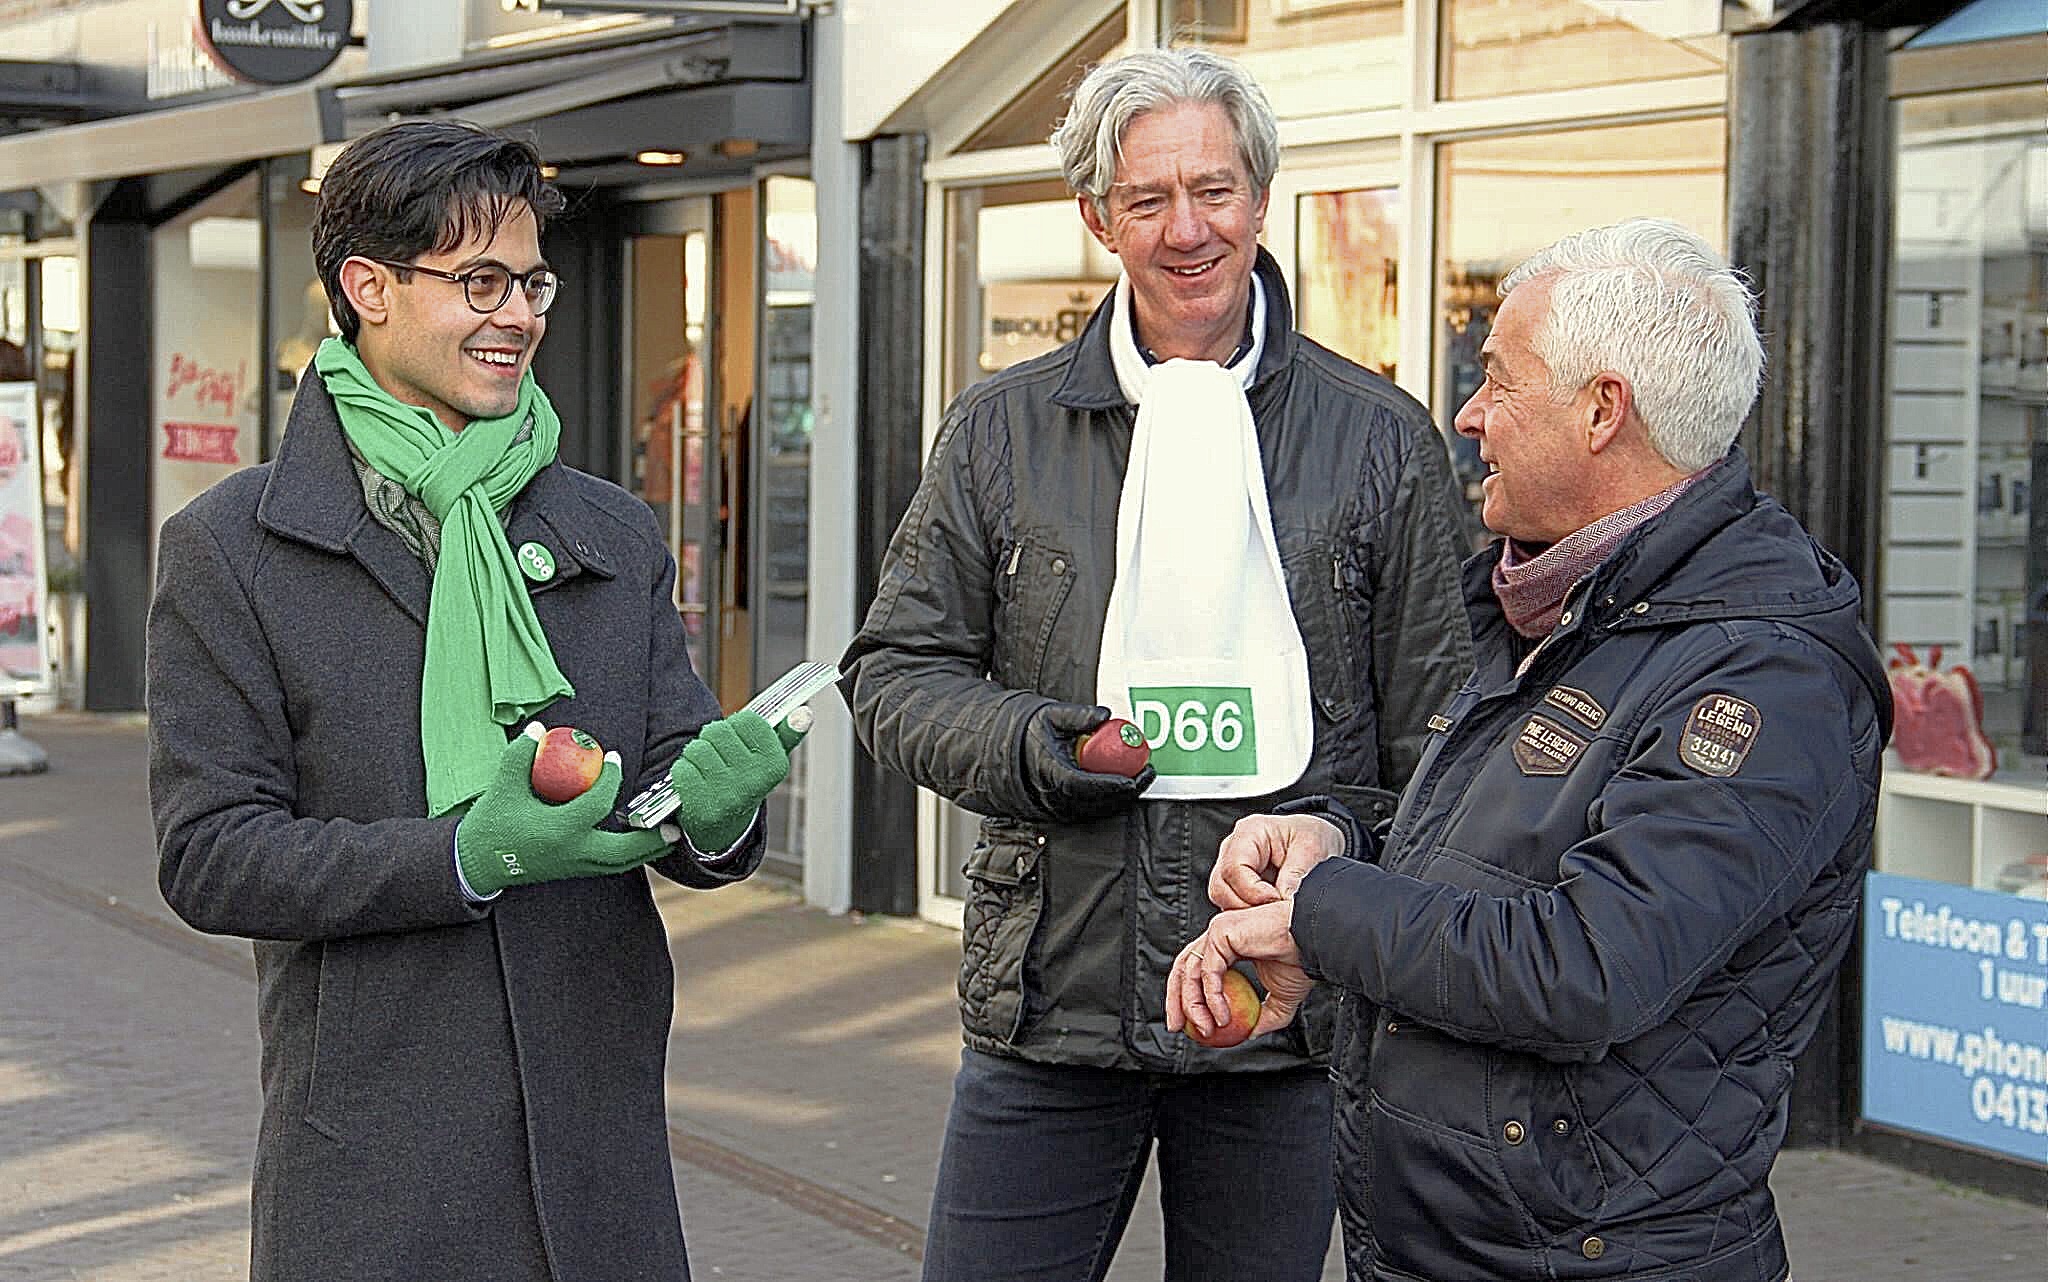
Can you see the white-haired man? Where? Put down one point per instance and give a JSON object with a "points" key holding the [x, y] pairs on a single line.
{"points": [[1605, 919], [1194, 517]]}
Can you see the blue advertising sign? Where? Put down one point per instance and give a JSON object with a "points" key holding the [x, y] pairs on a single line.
{"points": [[1955, 1014]]}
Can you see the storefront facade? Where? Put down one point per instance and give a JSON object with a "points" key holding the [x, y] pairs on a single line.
{"points": [[796, 238], [1437, 143]]}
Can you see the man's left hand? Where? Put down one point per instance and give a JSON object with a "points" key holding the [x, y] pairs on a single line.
{"points": [[724, 775], [1264, 936], [1265, 857]]}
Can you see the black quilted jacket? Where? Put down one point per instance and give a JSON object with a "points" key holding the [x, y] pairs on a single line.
{"points": [[1608, 916], [991, 603]]}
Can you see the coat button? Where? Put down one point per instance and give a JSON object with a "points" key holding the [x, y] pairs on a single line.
{"points": [[1564, 620], [1641, 607], [1059, 565], [1393, 1026], [1561, 1126], [1593, 1248], [1512, 1132]]}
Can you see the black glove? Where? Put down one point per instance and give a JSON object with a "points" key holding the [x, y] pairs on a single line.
{"points": [[1055, 783]]}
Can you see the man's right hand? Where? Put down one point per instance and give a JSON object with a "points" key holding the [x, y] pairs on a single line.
{"points": [[1057, 782], [510, 837], [1265, 857]]}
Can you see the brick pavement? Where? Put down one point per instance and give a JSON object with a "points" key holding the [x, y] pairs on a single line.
{"points": [[810, 1065]]}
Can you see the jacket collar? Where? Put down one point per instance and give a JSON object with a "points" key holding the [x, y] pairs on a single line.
{"points": [[1091, 382], [1723, 551], [313, 497]]}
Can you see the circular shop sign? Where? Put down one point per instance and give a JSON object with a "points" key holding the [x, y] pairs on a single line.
{"points": [[274, 42]]}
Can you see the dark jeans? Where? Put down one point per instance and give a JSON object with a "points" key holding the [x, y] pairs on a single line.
{"points": [[1042, 1164]]}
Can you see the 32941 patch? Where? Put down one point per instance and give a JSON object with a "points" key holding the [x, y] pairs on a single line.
{"points": [[1719, 732]]}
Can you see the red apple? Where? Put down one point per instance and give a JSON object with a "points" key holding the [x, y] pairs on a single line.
{"points": [[1116, 747], [565, 765], [1244, 1013]]}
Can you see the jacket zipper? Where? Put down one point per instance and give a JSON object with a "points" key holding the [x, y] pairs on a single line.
{"points": [[1016, 555]]}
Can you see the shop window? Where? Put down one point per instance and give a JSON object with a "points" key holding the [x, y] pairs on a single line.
{"points": [[1312, 57], [1496, 47], [1962, 831], [1347, 255], [1506, 198], [1024, 274], [209, 377], [1031, 117], [1965, 560]]}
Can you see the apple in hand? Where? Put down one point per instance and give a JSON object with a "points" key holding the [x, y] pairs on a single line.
{"points": [[1116, 747], [565, 765], [1244, 1013]]}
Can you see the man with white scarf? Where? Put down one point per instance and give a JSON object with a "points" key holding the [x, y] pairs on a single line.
{"points": [[1193, 517]]}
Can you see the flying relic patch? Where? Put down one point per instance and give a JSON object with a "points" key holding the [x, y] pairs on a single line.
{"points": [[1576, 703], [1547, 747], [1719, 732]]}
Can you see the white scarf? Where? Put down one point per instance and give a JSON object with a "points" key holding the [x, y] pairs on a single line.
{"points": [[1199, 644]]}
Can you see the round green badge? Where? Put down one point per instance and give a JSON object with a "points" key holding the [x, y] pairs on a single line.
{"points": [[536, 562]]}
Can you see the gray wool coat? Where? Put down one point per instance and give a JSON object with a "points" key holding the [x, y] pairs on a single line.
{"points": [[450, 1090]]}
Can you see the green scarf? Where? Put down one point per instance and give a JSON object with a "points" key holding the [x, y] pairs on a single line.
{"points": [[488, 664]]}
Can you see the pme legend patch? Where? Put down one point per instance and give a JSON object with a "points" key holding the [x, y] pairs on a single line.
{"points": [[1546, 747], [1719, 733], [1576, 703]]}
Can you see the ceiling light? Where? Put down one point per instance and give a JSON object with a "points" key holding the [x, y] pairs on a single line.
{"points": [[550, 172], [660, 157], [311, 186]]}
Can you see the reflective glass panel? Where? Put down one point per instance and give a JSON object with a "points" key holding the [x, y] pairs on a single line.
{"points": [[1965, 555], [1312, 57], [1506, 198], [1347, 260], [1024, 275], [1495, 47]]}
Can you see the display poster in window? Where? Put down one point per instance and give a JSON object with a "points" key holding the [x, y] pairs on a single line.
{"points": [[24, 585], [1955, 1014], [206, 420]]}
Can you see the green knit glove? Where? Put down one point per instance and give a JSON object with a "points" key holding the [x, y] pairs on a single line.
{"points": [[724, 775], [510, 837]]}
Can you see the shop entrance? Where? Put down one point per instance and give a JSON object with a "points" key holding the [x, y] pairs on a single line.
{"points": [[717, 310], [686, 309]]}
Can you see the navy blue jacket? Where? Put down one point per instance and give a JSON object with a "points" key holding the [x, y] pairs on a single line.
{"points": [[1608, 915]]}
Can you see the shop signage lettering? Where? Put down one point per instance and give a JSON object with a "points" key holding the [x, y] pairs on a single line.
{"points": [[1954, 1045], [201, 443], [275, 42], [1061, 327], [210, 387]]}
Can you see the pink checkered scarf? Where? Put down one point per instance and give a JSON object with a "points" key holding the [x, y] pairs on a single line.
{"points": [[1532, 586]]}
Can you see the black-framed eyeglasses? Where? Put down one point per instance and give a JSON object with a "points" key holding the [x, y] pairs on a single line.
{"points": [[489, 287]]}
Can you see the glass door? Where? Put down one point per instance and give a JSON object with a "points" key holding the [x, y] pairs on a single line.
{"points": [[673, 463], [781, 455]]}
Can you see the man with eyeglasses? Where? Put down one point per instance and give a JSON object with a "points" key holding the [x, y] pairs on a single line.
{"points": [[465, 991]]}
